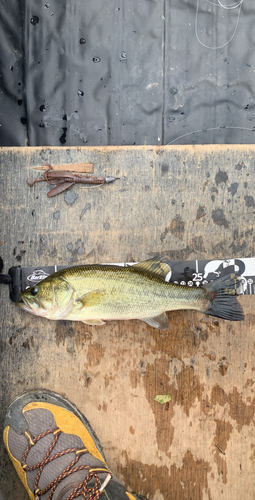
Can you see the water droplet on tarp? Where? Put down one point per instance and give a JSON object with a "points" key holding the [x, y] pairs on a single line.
{"points": [[34, 20], [82, 41], [96, 59], [123, 56]]}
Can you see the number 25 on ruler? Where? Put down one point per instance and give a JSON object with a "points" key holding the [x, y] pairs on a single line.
{"points": [[197, 276]]}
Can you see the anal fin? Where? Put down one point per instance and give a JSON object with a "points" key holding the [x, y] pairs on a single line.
{"points": [[160, 321], [93, 322]]}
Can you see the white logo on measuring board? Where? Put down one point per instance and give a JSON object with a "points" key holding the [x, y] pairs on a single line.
{"points": [[37, 275]]}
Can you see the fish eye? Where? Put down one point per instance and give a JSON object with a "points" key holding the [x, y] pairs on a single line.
{"points": [[34, 290]]}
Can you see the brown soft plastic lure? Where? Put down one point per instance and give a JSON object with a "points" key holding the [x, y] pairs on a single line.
{"points": [[64, 180]]}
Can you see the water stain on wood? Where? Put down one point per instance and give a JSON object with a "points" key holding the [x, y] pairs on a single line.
{"points": [[221, 177], [222, 433], [238, 410], [220, 249], [223, 368], [156, 381], [186, 389], [233, 188], [177, 227], [249, 201], [201, 211], [76, 331], [183, 483], [95, 354], [189, 481], [196, 244], [219, 218]]}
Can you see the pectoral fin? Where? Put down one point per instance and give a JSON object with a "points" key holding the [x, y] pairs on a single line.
{"points": [[160, 322], [93, 322], [90, 299]]}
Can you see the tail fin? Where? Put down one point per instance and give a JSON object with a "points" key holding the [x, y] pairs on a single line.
{"points": [[222, 301]]}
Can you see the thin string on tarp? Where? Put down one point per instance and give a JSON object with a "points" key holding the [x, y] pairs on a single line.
{"points": [[4, 278], [232, 6]]}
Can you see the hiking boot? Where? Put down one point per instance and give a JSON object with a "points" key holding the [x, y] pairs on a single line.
{"points": [[55, 452]]}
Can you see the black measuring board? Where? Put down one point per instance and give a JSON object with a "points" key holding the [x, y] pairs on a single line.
{"points": [[186, 273], [198, 272]]}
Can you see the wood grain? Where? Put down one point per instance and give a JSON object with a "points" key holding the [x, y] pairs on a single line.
{"points": [[69, 167], [185, 202]]}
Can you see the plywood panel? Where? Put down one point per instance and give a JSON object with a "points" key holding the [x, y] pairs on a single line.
{"points": [[112, 373]]}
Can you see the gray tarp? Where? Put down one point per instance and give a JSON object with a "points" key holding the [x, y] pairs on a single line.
{"points": [[121, 72]]}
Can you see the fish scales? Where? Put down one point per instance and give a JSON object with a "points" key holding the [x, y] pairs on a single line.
{"points": [[129, 293], [94, 293]]}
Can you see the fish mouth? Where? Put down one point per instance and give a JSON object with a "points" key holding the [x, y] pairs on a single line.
{"points": [[24, 303], [31, 306]]}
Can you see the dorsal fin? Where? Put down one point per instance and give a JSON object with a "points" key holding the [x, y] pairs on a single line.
{"points": [[154, 266]]}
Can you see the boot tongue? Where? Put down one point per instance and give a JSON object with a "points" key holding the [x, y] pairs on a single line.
{"points": [[68, 485], [70, 451], [65, 492], [55, 469]]}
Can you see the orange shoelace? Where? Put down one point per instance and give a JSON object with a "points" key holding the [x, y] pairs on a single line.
{"points": [[82, 489]]}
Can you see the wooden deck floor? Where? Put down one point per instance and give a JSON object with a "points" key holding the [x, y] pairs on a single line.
{"points": [[203, 447]]}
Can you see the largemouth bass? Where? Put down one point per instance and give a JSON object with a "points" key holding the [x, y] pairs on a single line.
{"points": [[94, 294]]}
